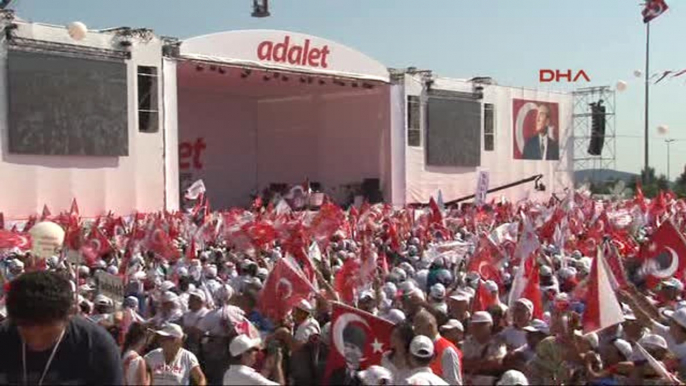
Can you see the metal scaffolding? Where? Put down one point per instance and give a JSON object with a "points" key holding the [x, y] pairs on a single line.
{"points": [[581, 118]]}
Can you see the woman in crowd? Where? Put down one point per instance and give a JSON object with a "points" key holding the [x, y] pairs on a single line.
{"points": [[135, 343], [171, 364]]}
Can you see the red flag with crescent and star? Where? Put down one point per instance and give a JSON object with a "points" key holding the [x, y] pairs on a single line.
{"points": [[358, 340], [285, 287], [664, 256], [653, 9]]}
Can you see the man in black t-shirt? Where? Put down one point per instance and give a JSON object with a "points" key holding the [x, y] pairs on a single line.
{"points": [[43, 343]]}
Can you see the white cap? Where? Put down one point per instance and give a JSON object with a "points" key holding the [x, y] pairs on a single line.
{"points": [[567, 272], [491, 286], [211, 270], [526, 303], [512, 378], [83, 270], [674, 283], [199, 294], [305, 306], [624, 347], [438, 291], [537, 325], [461, 296], [243, 343], [592, 339], [374, 375], [169, 297], [166, 286], [112, 270], [103, 300], [481, 317], [422, 347], [366, 294], [545, 270], [585, 264], [653, 341], [390, 290], [395, 316], [678, 316], [452, 324], [182, 271], [171, 330]]}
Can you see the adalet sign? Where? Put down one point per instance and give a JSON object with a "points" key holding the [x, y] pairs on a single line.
{"points": [[293, 53], [284, 51]]}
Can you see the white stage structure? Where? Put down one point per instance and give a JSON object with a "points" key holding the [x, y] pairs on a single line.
{"points": [[245, 110], [263, 107]]}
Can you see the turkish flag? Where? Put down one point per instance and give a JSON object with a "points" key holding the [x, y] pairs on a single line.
{"points": [[9, 239], [653, 9], [602, 308], [485, 261], [46, 213], [95, 246], [345, 280], [436, 215], [284, 288], [74, 210], [664, 256], [358, 340], [160, 243], [483, 298]]}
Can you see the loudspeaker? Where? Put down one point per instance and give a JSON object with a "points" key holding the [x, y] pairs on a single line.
{"points": [[595, 147]]}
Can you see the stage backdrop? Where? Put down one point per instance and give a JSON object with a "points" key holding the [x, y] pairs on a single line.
{"points": [[527, 115]]}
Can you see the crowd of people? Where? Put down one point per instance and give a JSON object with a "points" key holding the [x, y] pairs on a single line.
{"points": [[500, 294]]}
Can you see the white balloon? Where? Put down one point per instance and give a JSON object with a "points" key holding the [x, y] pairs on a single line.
{"points": [[77, 30], [638, 73], [663, 129], [46, 237], [621, 86]]}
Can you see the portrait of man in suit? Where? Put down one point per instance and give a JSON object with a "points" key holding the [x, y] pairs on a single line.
{"points": [[542, 145]]}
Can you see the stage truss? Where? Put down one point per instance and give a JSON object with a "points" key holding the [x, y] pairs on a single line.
{"points": [[581, 120]]}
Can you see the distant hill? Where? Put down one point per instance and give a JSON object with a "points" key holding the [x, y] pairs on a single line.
{"points": [[602, 175]]}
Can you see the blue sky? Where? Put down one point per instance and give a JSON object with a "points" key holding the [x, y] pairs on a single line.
{"points": [[508, 40]]}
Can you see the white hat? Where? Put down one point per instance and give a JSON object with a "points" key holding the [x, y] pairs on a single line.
{"points": [[199, 294], [83, 270], [395, 316], [438, 291], [167, 285], [481, 317], [567, 272], [674, 283], [211, 270], [461, 296], [390, 290], [169, 297], [103, 300], [491, 286], [422, 347], [545, 270], [653, 341], [374, 375], [172, 330], [512, 378], [585, 264], [366, 294], [305, 306], [537, 325], [678, 316], [452, 324], [112, 270], [182, 271], [592, 339], [243, 343], [526, 303], [624, 347]]}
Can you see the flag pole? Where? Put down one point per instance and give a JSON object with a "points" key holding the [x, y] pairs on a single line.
{"points": [[646, 180]]}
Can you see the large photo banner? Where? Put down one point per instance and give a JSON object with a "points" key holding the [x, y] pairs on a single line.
{"points": [[536, 130]]}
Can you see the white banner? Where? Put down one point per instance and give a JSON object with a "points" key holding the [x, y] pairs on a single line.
{"points": [[110, 285], [481, 188]]}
